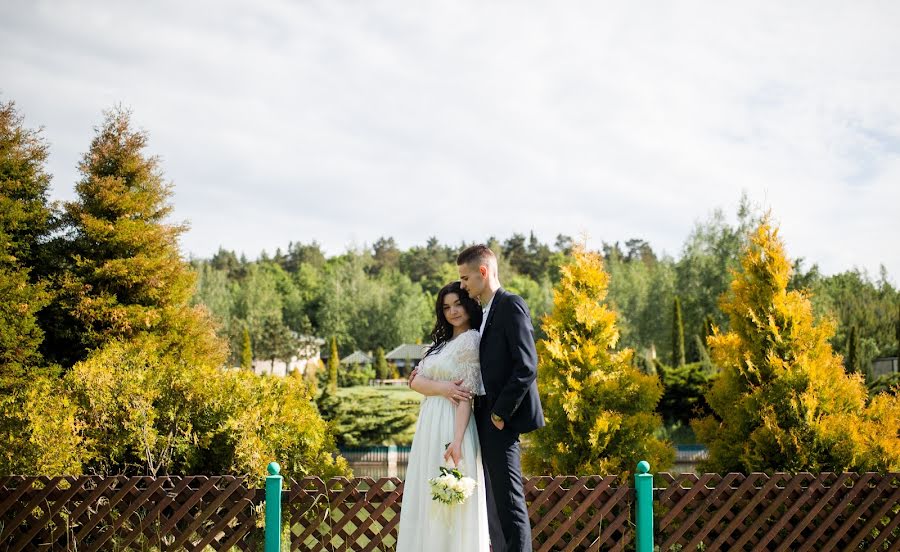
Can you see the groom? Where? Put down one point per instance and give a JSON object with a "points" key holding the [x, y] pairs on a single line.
{"points": [[511, 405]]}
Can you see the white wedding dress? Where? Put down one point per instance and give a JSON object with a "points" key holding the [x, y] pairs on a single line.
{"points": [[423, 525]]}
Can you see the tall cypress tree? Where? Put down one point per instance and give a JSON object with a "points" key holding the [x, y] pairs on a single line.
{"points": [[334, 364], [382, 370], [677, 335], [852, 351], [246, 351], [600, 409]]}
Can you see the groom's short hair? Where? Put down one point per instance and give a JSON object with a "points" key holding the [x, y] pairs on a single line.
{"points": [[477, 255]]}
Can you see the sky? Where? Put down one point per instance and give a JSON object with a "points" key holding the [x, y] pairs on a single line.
{"points": [[344, 121]]}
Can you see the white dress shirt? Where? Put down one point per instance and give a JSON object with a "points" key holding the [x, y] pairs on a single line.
{"points": [[485, 311]]}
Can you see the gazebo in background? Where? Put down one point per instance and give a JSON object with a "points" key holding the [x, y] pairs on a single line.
{"points": [[406, 356], [357, 358]]}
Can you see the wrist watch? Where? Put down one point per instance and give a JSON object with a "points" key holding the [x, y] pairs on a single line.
{"points": [[496, 419]]}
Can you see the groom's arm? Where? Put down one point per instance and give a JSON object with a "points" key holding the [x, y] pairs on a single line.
{"points": [[519, 335]]}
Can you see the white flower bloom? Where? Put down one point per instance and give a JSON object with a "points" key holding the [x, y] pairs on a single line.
{"points": [[450, 489]]}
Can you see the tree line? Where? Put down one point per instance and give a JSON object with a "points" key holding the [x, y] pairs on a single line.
{"points": [[381, 295]]}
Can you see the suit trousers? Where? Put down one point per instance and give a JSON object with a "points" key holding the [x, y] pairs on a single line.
{"points": [[501, 455]]}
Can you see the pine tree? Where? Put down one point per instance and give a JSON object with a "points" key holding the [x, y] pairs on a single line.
{"points": [[382, 370], [852, 351], [126, 275], [246, 351], [599, 408], [782, 400], [677, 335]]}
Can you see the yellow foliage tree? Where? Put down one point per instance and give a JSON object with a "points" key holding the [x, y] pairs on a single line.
{"points": [[143, 409], [783, 400], [275, 419], [599, 409]]}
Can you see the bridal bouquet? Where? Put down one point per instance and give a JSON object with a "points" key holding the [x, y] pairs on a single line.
{"points": [[451, 486]]}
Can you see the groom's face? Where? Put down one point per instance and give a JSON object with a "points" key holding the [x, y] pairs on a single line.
{"points": [[473, 279]]}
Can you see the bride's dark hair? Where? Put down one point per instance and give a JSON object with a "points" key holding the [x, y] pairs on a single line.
{"points": [[443, 330]]}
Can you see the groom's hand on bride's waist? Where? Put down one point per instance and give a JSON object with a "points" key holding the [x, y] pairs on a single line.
{"points": [[453, 391]]}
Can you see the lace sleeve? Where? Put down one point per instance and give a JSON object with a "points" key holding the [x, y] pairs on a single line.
{"points": [[469, 366]]}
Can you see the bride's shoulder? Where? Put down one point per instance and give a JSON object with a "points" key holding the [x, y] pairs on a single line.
{"points": [[472, 338]]}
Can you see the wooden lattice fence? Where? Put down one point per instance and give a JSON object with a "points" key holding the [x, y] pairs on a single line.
{"points": [[707, 512], [129, 513], [362, 514], [846, 511]]}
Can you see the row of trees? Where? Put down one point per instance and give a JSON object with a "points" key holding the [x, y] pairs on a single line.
{"points": [[380, 296], [105, 364], [365, 299], [644, 287]]}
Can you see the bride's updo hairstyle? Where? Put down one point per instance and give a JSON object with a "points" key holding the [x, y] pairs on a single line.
{"points": [[443, 330]]}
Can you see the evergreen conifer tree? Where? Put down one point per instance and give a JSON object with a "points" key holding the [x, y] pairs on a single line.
{"points": [[246, 351], [125, 275], [677, 335], [334, 365], [24, 223], [599, 408], [783, 400], [37, 429], [852, 351], [382, 370]]}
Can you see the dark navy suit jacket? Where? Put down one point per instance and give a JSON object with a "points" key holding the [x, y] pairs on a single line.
{"points": [[509, 363]]}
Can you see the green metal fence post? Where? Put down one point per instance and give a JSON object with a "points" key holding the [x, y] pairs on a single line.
{"points": [[643, 486], [273, 508]]}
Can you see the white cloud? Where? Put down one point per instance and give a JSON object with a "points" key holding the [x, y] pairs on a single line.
{"points": [[343, 122]]}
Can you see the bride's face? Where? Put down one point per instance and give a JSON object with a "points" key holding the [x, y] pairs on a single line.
{"points": [[454, 311]]}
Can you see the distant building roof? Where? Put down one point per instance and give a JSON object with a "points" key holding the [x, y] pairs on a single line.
{"points": [[357, 357], [412, 351]]}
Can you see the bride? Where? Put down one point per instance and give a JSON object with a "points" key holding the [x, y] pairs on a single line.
{"points": [[451, 363]]}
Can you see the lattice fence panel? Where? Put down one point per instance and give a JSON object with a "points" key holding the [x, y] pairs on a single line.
{"points": [[580, 513], [129, 513], [359, 514], [362, 514], [802, 512]]}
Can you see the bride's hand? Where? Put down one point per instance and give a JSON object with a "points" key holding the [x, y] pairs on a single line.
{"points": [[454, 452]]}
